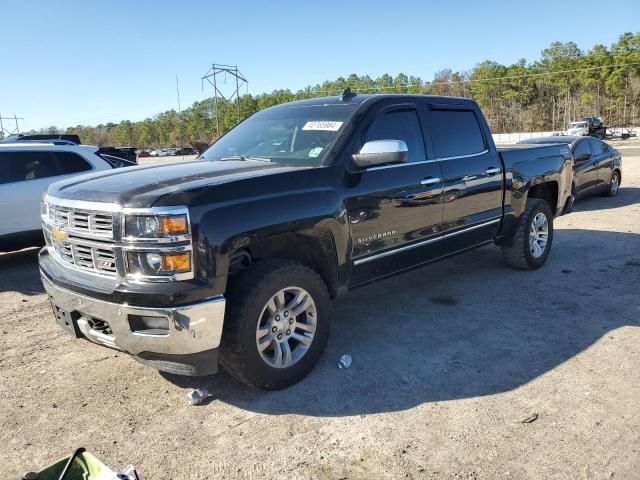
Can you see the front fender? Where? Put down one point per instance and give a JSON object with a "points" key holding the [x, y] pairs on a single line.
{"points": [[244, 215]]}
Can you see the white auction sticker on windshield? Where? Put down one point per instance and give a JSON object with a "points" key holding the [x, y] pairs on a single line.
{"points": [[325, 125]]}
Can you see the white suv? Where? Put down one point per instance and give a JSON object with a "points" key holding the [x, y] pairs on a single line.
{"points": [[26, 170]]}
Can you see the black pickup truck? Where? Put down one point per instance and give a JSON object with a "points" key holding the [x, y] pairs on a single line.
{"points": [[234, 258]]}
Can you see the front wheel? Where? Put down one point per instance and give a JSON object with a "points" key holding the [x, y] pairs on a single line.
{"points": [[277, 324], [532, 241]]}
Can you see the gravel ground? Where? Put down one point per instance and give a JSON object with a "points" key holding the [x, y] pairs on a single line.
{"points": [[449, 363]]}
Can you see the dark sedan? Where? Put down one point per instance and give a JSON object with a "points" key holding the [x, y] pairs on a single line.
{"points": [[597, 168]]}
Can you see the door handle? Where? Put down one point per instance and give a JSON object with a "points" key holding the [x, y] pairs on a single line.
{"points": [[492, 171], [430, 181]]}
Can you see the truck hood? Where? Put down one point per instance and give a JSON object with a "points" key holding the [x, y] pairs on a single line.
{"points": [[142, 186]]}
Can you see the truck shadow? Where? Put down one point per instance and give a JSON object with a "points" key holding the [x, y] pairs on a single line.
{"points": [[626, 196], [20, 272], [465, 327]]}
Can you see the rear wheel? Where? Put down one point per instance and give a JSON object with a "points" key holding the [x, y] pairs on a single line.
{"points": [[277, 324], [532, 241], [614, 185]]}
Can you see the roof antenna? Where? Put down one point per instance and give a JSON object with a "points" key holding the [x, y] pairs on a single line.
{"points": [[346, 94]]}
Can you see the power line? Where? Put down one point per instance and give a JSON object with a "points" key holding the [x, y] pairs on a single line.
{"points": [[457, 82]]}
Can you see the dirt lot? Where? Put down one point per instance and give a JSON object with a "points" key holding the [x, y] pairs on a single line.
{"points": [[448, 361]]}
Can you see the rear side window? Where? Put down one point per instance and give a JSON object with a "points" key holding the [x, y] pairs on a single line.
{"points": [[399, 125], [596, 146], [582, 148], [24, 166], [455, 133]]}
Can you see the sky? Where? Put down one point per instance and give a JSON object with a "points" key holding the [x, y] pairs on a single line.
{"points": [[71, 62]]}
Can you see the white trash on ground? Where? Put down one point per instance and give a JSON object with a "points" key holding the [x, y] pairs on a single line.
{"points": [[198, 395], [344, 361]]}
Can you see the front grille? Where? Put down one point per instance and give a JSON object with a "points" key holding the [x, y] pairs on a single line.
{"points": [[88, 240], [101, 259], [95, 223]]}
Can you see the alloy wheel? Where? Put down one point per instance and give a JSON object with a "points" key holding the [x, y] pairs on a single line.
{"points": [[615, 184], [286, 327], [538, 235]]}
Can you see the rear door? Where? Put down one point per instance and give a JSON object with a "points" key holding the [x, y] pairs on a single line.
{"points": [[24, 178], [394, 211], [472, 173], [585, 172], [603, 161]]}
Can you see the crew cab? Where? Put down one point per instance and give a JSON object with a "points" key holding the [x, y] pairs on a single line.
{"points": [[233, 258]]}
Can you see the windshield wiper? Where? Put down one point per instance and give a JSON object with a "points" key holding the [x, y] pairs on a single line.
{"points": [[243, 158]]}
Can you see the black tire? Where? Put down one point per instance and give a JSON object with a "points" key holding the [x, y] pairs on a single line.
{"points": [[247, 295], [613, 187], [517, 253]]}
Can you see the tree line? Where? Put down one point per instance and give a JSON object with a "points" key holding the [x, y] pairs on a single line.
{"points": [[564, 84]]}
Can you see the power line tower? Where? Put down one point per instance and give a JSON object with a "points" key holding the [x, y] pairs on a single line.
{"points": [[212, 77], [6, 131]]}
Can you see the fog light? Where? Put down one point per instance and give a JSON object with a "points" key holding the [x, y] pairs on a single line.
{"points": [[149, 325]]}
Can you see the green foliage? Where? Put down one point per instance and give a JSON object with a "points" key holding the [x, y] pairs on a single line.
{"points": [[563, 85]]}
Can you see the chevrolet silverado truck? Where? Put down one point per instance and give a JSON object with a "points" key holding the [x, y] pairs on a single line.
{"points": [[234, 258]]}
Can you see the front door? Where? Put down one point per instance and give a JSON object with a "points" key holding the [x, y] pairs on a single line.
{"points": [[585, 172], [394, 211]]}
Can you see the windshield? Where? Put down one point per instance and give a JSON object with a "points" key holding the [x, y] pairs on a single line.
{"points": [[293, 135], [577, 125]]}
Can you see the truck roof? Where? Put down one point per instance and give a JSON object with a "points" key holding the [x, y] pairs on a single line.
{"points": [[361, 98]]}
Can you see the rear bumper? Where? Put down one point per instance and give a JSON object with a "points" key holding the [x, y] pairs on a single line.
{"points": [[182, 339]]}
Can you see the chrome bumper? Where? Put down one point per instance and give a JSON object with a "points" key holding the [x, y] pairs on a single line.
{"points": [[190, 329]]}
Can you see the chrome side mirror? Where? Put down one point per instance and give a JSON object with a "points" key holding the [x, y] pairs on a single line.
{"points": [[380, 152]]}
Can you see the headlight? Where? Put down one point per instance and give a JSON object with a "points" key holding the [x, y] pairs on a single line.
{"points": [[158, 263], [156, 226], [158, 244]]}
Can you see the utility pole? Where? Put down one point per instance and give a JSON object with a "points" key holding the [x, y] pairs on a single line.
{"points": [[6, 131], [178, 90], [180, 114], [211, 77]]}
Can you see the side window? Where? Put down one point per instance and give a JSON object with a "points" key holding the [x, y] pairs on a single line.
{"points": [[399, 125], [71, 163], [582, 148], [455, 133], [23, 166]]}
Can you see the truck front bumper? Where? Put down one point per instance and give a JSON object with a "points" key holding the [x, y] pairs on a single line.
{"points": [[182, 340]]}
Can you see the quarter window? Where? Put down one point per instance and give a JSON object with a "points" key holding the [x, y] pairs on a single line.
{"points": [[71, 163], [399, 125], [455, 133]]}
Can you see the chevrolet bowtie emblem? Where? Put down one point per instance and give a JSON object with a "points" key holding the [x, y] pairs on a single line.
{"points": [[58, 234]]}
